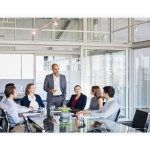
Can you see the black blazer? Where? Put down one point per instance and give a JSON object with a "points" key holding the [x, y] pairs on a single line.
{"points": [[81, 102]]}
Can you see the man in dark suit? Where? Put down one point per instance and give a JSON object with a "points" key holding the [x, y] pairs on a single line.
{"points": [[55, 85]]}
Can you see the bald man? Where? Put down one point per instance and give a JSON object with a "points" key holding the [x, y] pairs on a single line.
{"points": [[55, 85]]}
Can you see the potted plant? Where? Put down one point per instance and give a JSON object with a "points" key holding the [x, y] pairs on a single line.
{"points": [[64, 113]]}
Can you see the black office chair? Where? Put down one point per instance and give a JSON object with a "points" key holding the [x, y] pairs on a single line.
{"points": [[118, 115], [139, 120], [26, 124], [4, 122]]}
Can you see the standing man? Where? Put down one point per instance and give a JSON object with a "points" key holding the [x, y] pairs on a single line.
{"points": [[55, 85]]}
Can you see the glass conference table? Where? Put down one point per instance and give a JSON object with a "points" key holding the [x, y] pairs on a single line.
{"points": [[73, 124]]}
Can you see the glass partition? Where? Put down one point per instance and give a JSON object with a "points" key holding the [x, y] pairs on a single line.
{"points": [[98, 24], [142, 31], [121, 36], [105, 68], [141, 78]]}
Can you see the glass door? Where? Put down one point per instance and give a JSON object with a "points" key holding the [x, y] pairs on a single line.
{"points": [[105, 68]]}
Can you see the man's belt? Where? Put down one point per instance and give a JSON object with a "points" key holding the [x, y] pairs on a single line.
{"points": [[57, 95]]}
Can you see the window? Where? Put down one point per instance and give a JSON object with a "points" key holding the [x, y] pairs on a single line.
{"points": [[141, 32], [16, 66], [142, 78], [105, 68]]}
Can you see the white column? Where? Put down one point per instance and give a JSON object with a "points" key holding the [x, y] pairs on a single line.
{"points": [[111, 29], [130, 30], [53, 32], [99, 29], [85, 29]]}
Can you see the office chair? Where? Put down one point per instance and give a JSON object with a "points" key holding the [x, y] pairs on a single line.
{"points": [[139, 120], [4, 122], [118, 114], [26, 124]]}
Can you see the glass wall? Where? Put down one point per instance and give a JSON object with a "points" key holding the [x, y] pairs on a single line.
{"points": [[121, 36], [98, 24], [16, 66], [63, 24], [141, 78], [105, 68], [141, 32]]}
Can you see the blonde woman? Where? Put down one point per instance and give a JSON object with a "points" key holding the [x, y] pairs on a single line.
{"points": [[31, 99]]}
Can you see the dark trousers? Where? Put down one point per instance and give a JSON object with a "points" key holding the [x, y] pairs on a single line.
{"points": [[57, 101]]}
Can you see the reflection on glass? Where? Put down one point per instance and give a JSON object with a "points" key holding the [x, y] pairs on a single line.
{"points": [[105, 68]]}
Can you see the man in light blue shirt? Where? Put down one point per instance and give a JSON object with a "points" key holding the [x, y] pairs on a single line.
{"points": [[10, 106], [22, 109], [109, 110]]}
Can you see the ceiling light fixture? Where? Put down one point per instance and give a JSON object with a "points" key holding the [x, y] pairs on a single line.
{"points": [[55, 23], [33, 32]]}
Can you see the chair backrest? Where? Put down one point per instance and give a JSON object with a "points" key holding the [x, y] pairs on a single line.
{"points": [[118, 114], [139, 120], [4, 122]]}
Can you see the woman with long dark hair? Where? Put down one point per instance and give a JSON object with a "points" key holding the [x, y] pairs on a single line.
{"points": [[96, 101]]}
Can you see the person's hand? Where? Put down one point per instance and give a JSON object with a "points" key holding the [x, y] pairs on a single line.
{"points": [[64, 98], [52, 90], [88, 114], [64, 106], [31, 108]]}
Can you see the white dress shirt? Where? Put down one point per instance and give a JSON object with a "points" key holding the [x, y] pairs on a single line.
{"points": [[109, 110], [57, 85], [21, 109], [33, 103]]}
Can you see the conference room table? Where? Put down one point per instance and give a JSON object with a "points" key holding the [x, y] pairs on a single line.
{"points": [[73, 124]]}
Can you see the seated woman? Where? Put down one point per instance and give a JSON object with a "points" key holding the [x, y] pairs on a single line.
{"points": [[31, 99], [96, 101], [77, 101]]}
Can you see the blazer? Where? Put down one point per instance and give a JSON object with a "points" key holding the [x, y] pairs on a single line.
{"points": [[49, 84], [81, 102], [26, 101]]}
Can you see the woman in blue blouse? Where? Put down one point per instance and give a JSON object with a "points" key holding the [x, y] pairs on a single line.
{"points": [[31, 99]]}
